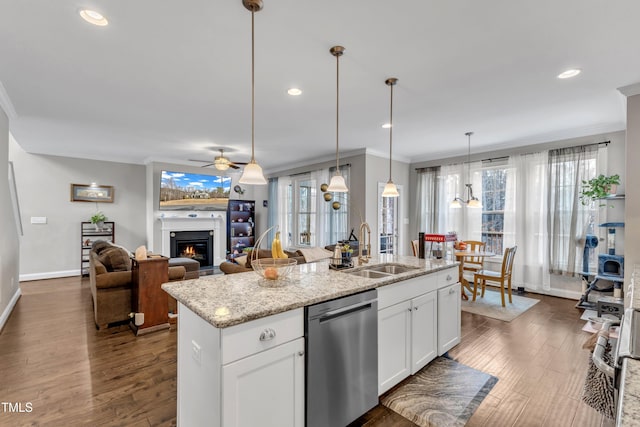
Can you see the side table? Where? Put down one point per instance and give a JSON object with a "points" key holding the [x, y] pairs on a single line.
{"points": [[147, 295]]}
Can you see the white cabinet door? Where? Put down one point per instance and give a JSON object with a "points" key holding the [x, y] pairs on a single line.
{"points": [[448, 318], [424, 313], [394, 345], [265, 389]]}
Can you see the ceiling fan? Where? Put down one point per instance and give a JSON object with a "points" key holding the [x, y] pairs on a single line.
{"points": [[220, 162]]}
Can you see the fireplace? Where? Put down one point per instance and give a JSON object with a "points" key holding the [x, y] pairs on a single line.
{"points": [[197, 245]]}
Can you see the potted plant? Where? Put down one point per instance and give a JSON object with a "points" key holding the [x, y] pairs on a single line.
{"points": [[599, 187], [98, 219]]}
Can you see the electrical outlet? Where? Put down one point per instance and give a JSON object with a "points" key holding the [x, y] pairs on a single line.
{"points": [[195, 351]]}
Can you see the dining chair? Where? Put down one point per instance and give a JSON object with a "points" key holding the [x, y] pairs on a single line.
{"points": [[501, 277], [474, 263], [414, 247]]}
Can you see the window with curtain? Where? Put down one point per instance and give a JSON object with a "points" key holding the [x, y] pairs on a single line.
{"points": [[494, 184], [568, 219], [304, 216], [427, 197]]}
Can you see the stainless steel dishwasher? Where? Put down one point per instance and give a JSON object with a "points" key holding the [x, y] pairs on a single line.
{"points": [[341, 359]]}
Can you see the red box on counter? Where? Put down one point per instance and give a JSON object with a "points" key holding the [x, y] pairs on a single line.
{"points": [[450, 237]]}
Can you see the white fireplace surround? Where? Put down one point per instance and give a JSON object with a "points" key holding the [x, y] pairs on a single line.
{"points": [[216, 222]]}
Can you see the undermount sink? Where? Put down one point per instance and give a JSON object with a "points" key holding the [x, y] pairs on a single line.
{"points": [[383, 270], [368, 274], [390, 268]]}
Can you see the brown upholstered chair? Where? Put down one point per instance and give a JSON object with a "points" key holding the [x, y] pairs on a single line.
{"points": [[501, 277]]}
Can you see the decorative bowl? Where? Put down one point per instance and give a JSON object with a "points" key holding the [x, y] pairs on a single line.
{"points": [[274, 268]]}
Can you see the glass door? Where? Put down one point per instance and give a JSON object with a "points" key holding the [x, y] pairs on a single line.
{"points": [[388, 220]]}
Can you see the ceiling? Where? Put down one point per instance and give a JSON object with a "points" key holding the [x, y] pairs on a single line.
{"points": [[171, 80]]}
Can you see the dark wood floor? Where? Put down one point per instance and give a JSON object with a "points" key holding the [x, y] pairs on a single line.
{"points": [[52, 356]]}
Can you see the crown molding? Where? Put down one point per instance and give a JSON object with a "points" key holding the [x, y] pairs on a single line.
{"points": [[6, 104], [630, 90]]}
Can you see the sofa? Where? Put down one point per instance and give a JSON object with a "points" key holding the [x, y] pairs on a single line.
{"points": [[111, 282], [243, 264]]}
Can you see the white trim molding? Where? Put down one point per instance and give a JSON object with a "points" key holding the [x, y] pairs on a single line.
{"points": [[49, 275], [7, 311], [6, 104], [630, 90]]}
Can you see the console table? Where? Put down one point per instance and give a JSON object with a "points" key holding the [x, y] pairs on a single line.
{"points": [[147, 296]]}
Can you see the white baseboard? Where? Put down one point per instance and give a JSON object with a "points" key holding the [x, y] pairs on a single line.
{"points": [[7, 311], [48, 275], [561, 293]]}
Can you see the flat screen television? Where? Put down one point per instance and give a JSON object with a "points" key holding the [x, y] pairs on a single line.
{"points": [[194, 192]]}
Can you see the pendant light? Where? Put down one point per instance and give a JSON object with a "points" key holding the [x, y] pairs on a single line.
{"points": [[472, 202], [390, 189], [337, 184], [252, 173]]}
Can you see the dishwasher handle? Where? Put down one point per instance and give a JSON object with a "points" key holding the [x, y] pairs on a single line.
{"points": [[329, 315]]}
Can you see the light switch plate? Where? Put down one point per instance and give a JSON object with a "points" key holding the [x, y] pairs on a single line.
{"points": [[38, 220]]}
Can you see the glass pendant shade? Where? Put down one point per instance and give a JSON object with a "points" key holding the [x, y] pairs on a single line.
{"points": [[474, 203], [390, 190], [337, 184], [455, 204], [252, 174]]}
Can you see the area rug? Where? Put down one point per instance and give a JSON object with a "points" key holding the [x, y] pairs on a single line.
{"points": [[443, 394], [491, 305]]}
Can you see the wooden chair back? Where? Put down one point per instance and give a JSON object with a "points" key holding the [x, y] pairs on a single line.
{"points": [[474, 263], [507, 262]]}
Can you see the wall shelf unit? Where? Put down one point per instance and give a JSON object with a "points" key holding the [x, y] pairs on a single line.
{"points": [[89, 233]]}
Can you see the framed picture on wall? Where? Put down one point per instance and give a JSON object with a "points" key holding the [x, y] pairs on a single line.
{"points": [[91, 193]]}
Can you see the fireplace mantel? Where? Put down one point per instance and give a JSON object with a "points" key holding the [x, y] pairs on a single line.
{"points": [[215, 222]]}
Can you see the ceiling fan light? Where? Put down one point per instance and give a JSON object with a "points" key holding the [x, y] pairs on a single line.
{"points": [[390, 190], [221, 163], [252, 174], [337, 184]]}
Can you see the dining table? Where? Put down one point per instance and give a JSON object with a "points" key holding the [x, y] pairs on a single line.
{"points": [[460, 256]]}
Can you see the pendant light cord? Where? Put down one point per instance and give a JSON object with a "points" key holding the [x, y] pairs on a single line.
{"points": [[337, 112], [253, 90], [390, 131]]}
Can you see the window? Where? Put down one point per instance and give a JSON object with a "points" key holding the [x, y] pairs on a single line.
{"points": [[494, 184], [301, 215], [305, 217]]}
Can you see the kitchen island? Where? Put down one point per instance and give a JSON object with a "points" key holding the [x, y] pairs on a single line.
{"points": [[628, 411], [241, 340]]}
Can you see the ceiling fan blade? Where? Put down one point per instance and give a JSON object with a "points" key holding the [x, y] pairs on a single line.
{"points": [[201, 161], [233, 165], [240, 163]]}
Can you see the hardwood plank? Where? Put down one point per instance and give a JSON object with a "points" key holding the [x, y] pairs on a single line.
{"points": [[53, 356]]}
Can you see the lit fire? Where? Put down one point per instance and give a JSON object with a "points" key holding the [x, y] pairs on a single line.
{"points": [[189, 251]]}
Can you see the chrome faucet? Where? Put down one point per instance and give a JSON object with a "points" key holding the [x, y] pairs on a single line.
{"points": [[362, 259]]}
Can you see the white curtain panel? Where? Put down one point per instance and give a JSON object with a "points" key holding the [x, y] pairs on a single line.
{"points": [[284, 211], [467, 222], [525, 219], [323, 209], [427, 197]]}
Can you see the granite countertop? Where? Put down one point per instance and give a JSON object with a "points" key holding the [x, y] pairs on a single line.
{"points": [[629, 411], [227, 300]]}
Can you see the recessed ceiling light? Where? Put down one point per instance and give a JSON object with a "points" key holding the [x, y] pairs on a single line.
{"points": [[93, 17], [386, 126], [569, 73], [294, 91]]}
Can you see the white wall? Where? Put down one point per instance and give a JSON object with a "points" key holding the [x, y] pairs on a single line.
{"points": [[53, 249], [9, 244], [632, 212]]}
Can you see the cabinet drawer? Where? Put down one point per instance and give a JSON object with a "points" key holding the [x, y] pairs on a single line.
{"points": [[405, 290], [252, 337], [448, 277]]}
